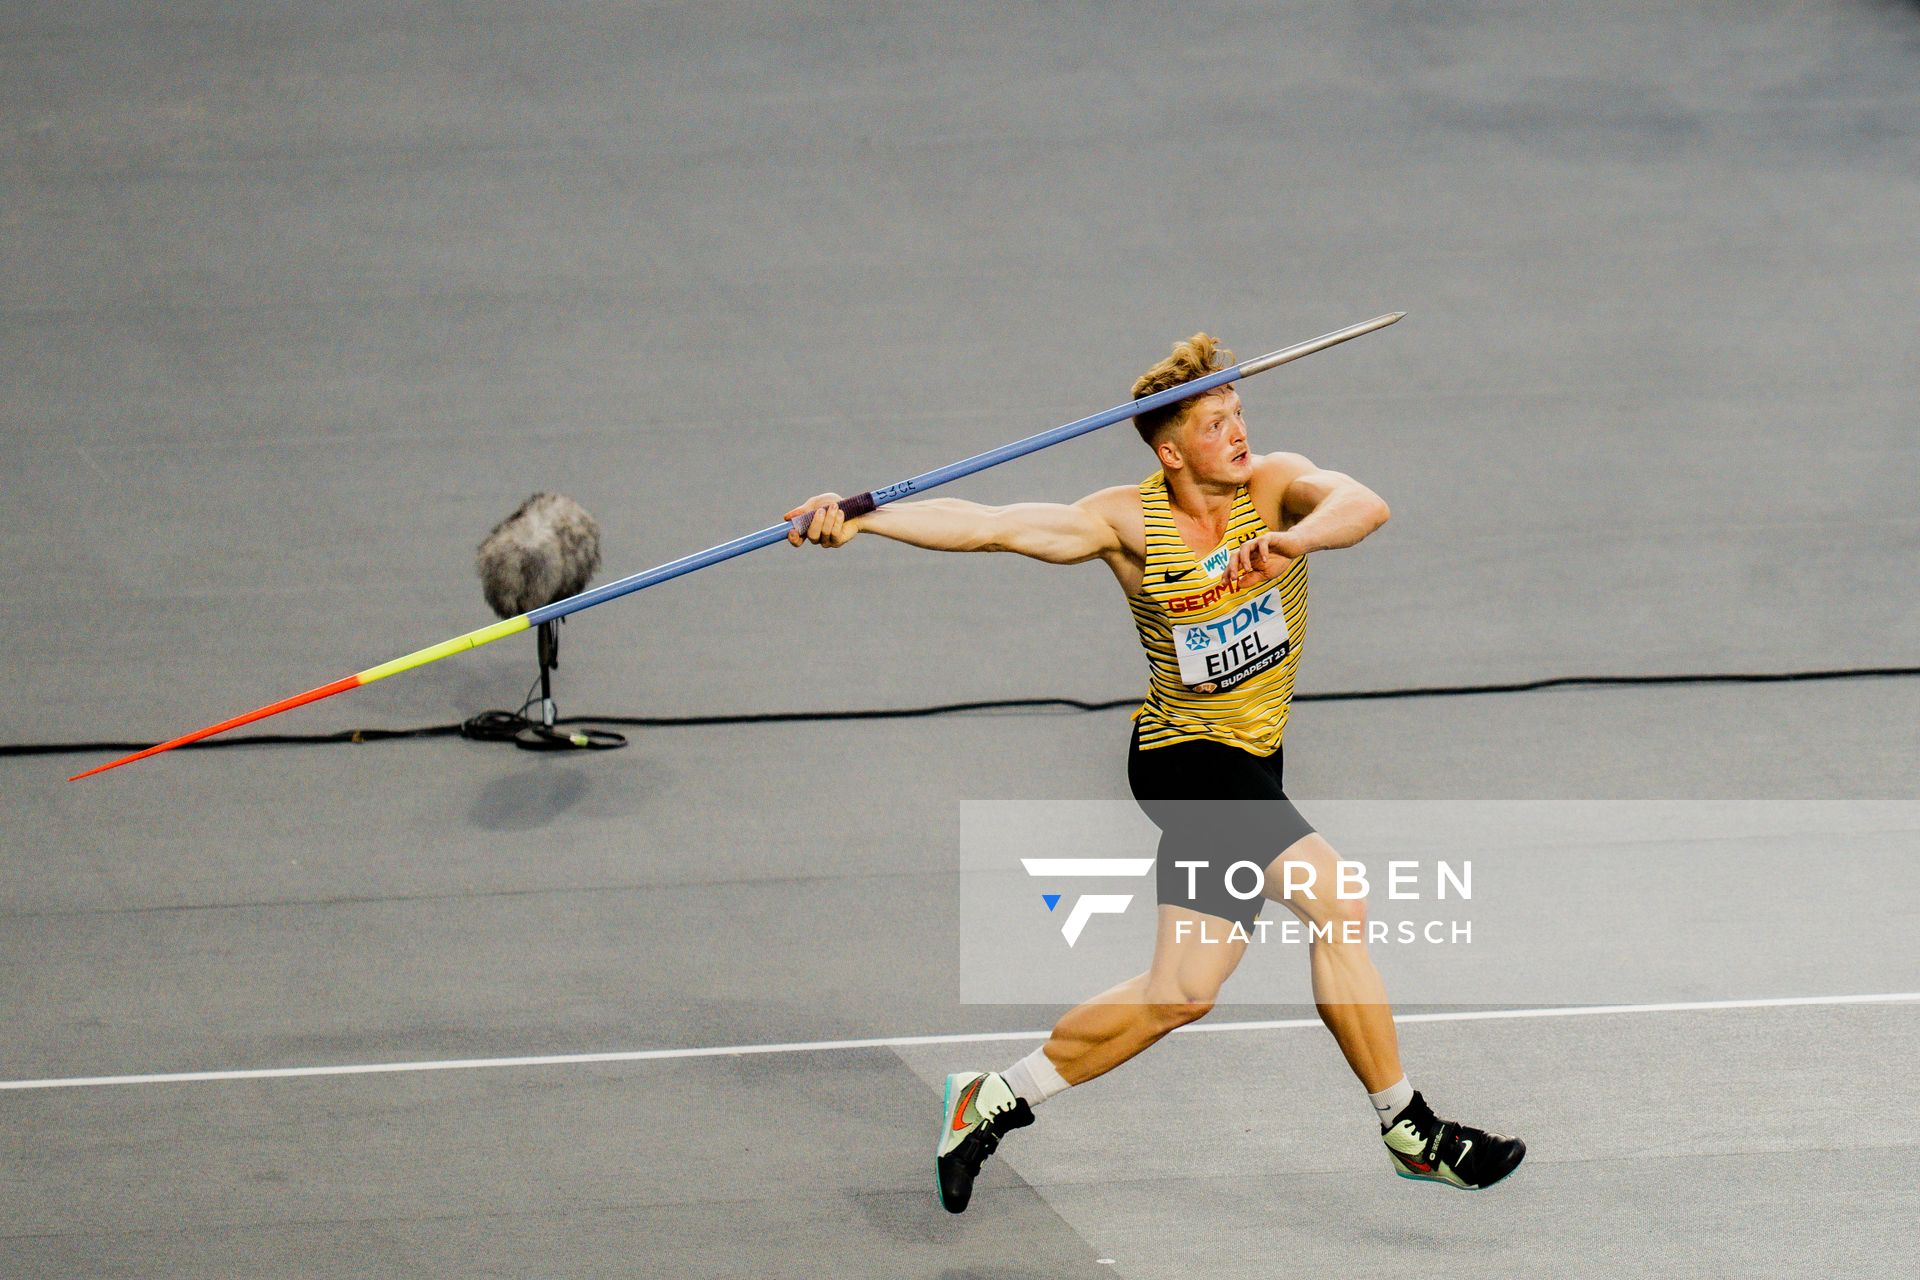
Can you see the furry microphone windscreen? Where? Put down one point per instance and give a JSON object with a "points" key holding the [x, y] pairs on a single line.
{"points": [[545, 551]]}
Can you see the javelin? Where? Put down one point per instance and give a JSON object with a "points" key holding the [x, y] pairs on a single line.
{"points": [[858, 505]]}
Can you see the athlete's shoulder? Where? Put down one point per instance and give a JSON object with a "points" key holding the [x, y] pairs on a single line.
{"points": [[1272, 474], [1278, 470], [1117, 504], [1119, 508]]}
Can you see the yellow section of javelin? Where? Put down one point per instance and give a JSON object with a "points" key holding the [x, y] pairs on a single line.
{"points": [[445, 649]]}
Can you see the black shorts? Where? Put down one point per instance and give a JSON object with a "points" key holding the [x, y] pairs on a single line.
{"points": [[1218, 805]]}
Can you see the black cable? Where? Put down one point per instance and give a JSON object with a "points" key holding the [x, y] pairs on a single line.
{"points": [[494, 726], [1354, 695], [1564, 682], [500, 726], [245, 740]]}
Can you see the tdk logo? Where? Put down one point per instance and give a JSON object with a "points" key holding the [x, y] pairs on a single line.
{"points": [[1087, 905], [1226, 628]]}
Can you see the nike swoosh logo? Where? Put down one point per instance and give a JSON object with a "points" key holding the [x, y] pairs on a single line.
{"points": [[1175, 577], [966, 1097], [1466, 1145]]}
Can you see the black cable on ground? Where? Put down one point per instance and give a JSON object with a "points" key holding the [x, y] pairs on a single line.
{"points": [[242, 740], [494, 726]]}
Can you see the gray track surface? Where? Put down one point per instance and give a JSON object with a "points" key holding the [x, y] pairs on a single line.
{"points": [[296, 302]]}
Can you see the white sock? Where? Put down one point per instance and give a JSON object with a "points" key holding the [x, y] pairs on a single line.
{"points": [[1391, 1101], [1035, 1078]]}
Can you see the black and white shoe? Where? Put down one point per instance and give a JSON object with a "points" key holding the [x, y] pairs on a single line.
{"points": [[1428, 1149], [980, 1109]]}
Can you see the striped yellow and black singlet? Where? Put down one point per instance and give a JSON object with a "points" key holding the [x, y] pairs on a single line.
{"points": [[1183, 604]]}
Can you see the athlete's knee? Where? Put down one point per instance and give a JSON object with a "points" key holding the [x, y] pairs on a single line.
{"points": [[1343, 912], [1333, 919], [1179, 1013], [1344, 926], [1175, 1004]]}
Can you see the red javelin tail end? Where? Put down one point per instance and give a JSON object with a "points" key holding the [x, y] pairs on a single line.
{"points": [[285, 704]]}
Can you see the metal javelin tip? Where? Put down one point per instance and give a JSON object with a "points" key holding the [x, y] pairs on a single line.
{"points": [[1263, 363]]}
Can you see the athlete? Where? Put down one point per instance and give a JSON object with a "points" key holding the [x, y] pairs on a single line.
{"points": [[1211, 551]]}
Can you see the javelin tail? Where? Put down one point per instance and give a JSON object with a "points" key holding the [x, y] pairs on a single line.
{"points": [[271, 709], [419, 658]]}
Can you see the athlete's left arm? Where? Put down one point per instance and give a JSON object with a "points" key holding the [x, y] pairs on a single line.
{"points": [[1314, 510]]}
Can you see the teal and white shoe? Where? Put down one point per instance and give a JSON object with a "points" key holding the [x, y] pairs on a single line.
{"points": [[979, 1110], [1428, 1149]]}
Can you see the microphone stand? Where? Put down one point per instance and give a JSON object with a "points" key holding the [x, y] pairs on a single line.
{"points": [[544, 736]]}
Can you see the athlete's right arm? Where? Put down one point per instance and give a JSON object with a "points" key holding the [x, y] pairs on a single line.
{"points": [[1055, 532]]}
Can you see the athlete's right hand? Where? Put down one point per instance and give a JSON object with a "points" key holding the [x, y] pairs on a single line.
{"points": [[1262, 559], [829, 526]]}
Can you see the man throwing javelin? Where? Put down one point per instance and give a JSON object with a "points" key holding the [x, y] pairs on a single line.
{"points": [[1217, 533]]}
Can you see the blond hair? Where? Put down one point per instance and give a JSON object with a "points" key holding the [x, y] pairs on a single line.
{"points": [[1192, 358]]}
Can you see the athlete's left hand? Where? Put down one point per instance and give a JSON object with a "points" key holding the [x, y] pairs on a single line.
{"points": [[829, 526], [1263, 559]]}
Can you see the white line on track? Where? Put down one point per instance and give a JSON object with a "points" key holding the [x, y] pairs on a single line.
{"points": [[906, 1042]]}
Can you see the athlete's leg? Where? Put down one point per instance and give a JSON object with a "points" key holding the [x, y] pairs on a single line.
{"points": [[1353, 1003], [1347, 989], [1193, 953], [1179, 987]]}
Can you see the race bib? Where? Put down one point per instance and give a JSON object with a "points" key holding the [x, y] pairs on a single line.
{"points": [[1217, 655]]}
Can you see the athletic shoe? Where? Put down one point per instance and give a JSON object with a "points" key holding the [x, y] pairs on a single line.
{"points": [[980, 1109], [1428, 1149]]}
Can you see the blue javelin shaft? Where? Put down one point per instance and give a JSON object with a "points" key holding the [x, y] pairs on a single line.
{"points": [[860, 504]]}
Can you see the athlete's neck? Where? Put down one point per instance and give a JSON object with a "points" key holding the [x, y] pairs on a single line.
{"points": [[1208, 506]]}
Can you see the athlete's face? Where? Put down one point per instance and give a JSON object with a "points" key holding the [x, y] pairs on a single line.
{"points": [[1212, 440]]}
